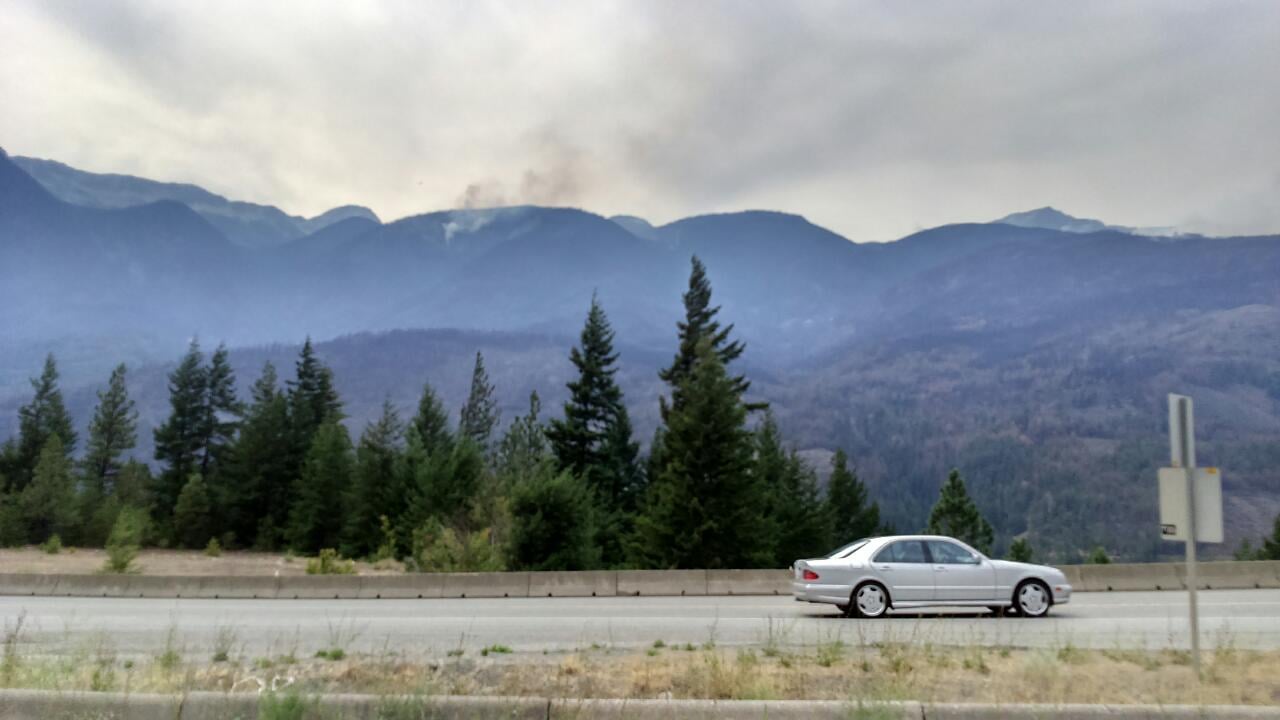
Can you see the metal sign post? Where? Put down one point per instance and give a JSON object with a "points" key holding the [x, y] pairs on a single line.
{"points": [[1190, 502], [1182, 448]]}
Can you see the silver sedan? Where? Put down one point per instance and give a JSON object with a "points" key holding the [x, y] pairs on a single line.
{"points": [[869, 577]]}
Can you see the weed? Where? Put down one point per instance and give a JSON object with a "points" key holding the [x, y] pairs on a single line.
{"points": [[224, 641], [53, 545], [830, 653], [329, 562], [170, 658], [496, 650], [331, 654], [213, 549], [456, 652], [9, 662], [688, 647], [289, 706], [658, 644]]}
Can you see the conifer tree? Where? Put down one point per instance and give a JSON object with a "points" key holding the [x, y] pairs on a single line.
{"points": [[1270, 549], [316, 519], [432, 422], [705, 507], [852, 516], [113, 431], [552, 526], [181, 438], [700, 325], [798, 522], [523, 449], [222, 411], [49, 501], [192, 526], [1020, 550], [594, 399], [38, 421], [257, 486], [376, 492], [480, 411], [956, 515]]}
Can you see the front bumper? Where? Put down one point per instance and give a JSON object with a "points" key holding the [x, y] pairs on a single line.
{"points": [[1061, 593]]}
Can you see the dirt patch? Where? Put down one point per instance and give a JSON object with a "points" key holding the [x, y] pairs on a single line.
{"points": [[87, 561]]}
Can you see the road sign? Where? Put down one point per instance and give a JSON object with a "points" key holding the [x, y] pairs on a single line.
{"points": [[1182, 432], [1174, 521]]}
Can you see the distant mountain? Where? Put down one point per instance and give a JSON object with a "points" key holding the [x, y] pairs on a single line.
{"points": [[245, 224], [1054, 219], [1033, 354]]}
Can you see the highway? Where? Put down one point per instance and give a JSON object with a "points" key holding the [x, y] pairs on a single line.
{"points": [[141, 627]]}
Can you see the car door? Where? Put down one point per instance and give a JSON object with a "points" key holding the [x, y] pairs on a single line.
{"points": [[959, 574], [905, 568]]}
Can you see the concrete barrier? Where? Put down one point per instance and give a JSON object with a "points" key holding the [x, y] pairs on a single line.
{"points": [[1234, 575], [662, 582], [601, 583], [1150, 576], [27, 584], [320, 587], [402, 587], [748, 582], [949, 711], [486, 585], [247, 587], [762, 709]]}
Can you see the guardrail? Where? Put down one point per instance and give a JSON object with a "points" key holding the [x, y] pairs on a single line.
{"points": [[597, 583]]}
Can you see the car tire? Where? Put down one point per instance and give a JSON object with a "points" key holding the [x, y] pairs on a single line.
{"points": [[1032, 599], [869, 600]]}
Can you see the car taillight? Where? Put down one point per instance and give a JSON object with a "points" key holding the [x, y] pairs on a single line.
{"points": [[810, 575]]}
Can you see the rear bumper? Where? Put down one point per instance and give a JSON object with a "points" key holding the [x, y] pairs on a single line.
{"points": [[818, 593]]}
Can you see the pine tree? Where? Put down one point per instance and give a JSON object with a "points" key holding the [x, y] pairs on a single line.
{"points": [[313, 400], [480, 412], [594, 399], [432, 422], [38, 421], [523, 449], [852, 516], [49, 501], [222, 411], [705, 507], [1020, 551], [376, 492], [316, 518], [191, 522], [180, 439], [700, 325], [256, 487], [112, 433], [956, 515], [552, 522], [1270, 549], [797, 522]]}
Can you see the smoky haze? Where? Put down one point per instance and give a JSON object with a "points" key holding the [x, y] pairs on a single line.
{"points": [[873, 119]]}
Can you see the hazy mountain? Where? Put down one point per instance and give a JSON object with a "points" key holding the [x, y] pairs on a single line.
{"points": [[1034, 358], [1054, 219], [246, 224]]}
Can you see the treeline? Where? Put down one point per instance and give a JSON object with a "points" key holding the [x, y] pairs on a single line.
{"points": [[278, 470]]}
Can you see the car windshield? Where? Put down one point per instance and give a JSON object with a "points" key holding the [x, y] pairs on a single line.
{"points": [[848, 549]]}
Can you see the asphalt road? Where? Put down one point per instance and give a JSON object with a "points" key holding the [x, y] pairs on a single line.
{"points": [[135, 627]]}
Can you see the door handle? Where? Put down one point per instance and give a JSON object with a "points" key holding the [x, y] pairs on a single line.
{"points": [[940, 568], [883, 567]]}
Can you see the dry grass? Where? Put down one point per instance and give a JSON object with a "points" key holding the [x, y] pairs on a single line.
{"points": [[834, 672], [88, 561]]}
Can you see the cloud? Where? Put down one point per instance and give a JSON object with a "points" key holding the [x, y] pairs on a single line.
{"points": [[869, 118]]}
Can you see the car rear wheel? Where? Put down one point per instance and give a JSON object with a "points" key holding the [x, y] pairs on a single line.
{"points": [[869, 600], [1032, 599]]}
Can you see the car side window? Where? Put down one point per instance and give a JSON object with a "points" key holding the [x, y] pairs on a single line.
{"points": [[903, 551], [946, 553]]}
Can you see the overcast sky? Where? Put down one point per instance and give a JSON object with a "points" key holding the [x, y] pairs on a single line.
{"points": [[872, 119]]}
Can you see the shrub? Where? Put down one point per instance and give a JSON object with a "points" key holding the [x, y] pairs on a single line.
{"points": [[124, 541], [441, 549], [330, 562], [53, 545], [214, 548], [1099, 556], [1020, 551]]}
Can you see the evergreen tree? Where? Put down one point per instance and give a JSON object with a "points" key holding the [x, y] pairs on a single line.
{"points": [[313, 400], [112, 432], [222, 411], [376, 492], [316, 518], [181, 438], [191, 522], [700, 325], [256, 487], [432, 422], [594, 399], [523, 449], [1020, 550], [797, 523], [49, 501], [1270, 549], [705, 507], [480, 412], [552, 523], [852, 516], [38, 421], [956, 515]]}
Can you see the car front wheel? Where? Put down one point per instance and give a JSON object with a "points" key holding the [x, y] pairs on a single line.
{"points": [[870, 600], [1032, 599]]}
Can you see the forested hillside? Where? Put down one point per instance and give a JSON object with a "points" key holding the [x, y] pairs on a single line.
{"points": [[1034, 359]]}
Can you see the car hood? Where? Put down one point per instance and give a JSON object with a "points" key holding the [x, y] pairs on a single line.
{"points": [[1025, 567]]}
